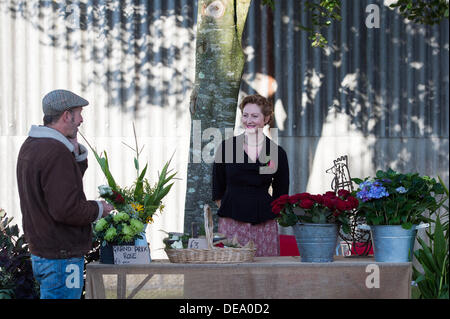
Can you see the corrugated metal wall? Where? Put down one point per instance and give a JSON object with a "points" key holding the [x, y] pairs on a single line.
{"points": [[379, 95], [134, 62]]}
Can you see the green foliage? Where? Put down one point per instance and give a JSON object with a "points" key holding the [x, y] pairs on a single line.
{"points": [[176, 237], [141, 198], [433, 282], [393, 198], [269, 3], [423, 11], [118, 228], [16, 273], [324, 12]]}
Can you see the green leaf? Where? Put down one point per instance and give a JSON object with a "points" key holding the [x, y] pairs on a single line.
{"points": [[357, 180], [407, 225], [440, 244], [427, 257], [139, 184], [164, 192]]}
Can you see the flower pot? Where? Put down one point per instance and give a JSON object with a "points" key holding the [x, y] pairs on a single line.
{"points": [[392, 243], [316, 242], [107, 252], [143, 241]]}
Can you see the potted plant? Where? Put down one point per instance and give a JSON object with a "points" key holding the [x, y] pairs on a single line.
{"points": [[118, 228], [16, 272], [141, 200], [394, 206], [433, 280], [315, 219]]}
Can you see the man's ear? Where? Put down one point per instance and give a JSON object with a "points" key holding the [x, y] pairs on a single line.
{"points": [[67, 116]]}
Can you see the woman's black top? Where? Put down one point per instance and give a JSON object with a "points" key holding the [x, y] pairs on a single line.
{"points": [[242, 185]]}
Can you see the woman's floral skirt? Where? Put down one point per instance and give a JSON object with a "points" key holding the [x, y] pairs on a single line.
{"points": [[264, 235]]}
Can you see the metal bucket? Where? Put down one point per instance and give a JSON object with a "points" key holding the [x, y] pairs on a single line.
{"points": [[392, 243], [142, 241], [316, 242]]}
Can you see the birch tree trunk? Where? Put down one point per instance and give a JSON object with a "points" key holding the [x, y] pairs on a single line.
{"points": [[219, 66]]}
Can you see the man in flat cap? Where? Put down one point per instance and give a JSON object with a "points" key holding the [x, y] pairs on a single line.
{"points": [[57, 219]]}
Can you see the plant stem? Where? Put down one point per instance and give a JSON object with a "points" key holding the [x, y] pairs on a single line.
{"points": [[137, 150]]}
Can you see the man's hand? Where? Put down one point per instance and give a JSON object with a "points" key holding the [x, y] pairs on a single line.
{"points": [[75, 144], [107, 208]]}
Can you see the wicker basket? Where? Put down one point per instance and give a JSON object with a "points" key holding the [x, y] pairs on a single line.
{"points": [[212, 255]]}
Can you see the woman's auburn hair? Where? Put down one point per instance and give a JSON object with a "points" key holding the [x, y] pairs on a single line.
{"points": [[265, 105]]}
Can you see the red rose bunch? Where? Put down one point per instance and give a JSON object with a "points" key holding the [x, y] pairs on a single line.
{"points": [[321, 208]]}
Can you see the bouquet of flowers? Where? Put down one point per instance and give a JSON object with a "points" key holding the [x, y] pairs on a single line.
{"points": [[318, 209], [119, 228], [397, 199], [135, 205]]}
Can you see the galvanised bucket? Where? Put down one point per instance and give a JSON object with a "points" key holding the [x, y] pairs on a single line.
{"points": [[143, 241], [392, 243], [316, 242]]}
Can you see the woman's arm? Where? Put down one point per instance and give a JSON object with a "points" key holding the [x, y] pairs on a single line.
{"points": [[280, 183]]}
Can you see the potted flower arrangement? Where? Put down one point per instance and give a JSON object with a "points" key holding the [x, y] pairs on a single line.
{"points": [[315, 219], [135, 205], [118, 228], [394, 206]]}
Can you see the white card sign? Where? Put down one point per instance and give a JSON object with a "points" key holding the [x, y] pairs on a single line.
{"points": [[131, 255], [197, 243]]}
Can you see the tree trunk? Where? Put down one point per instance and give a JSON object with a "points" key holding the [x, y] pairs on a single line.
{"points": [[219, 67]]}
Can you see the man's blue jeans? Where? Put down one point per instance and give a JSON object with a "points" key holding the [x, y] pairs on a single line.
{"points": [[59, 278]]}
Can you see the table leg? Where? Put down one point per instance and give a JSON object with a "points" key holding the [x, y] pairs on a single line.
{"points": [[139, 287], [95, 288], [121, 286]]}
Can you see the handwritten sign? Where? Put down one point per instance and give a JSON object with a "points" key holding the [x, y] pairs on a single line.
{"points": [[197, 243], [131, 255]]}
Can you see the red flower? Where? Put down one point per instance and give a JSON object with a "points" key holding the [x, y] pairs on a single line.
{"points": [[221, 245], [306, 204], [330, 195], [118, 198], [276, 209], [283, 199], [330, 202], [305, 195], [342, 205], [354, 203], [343, 193], [317, 198], [296, 198]]}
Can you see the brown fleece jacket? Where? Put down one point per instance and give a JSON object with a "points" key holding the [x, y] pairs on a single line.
{"points": [[56, 216]]}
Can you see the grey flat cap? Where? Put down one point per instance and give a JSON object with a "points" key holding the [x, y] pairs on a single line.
{"points": [[58, 101]]}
